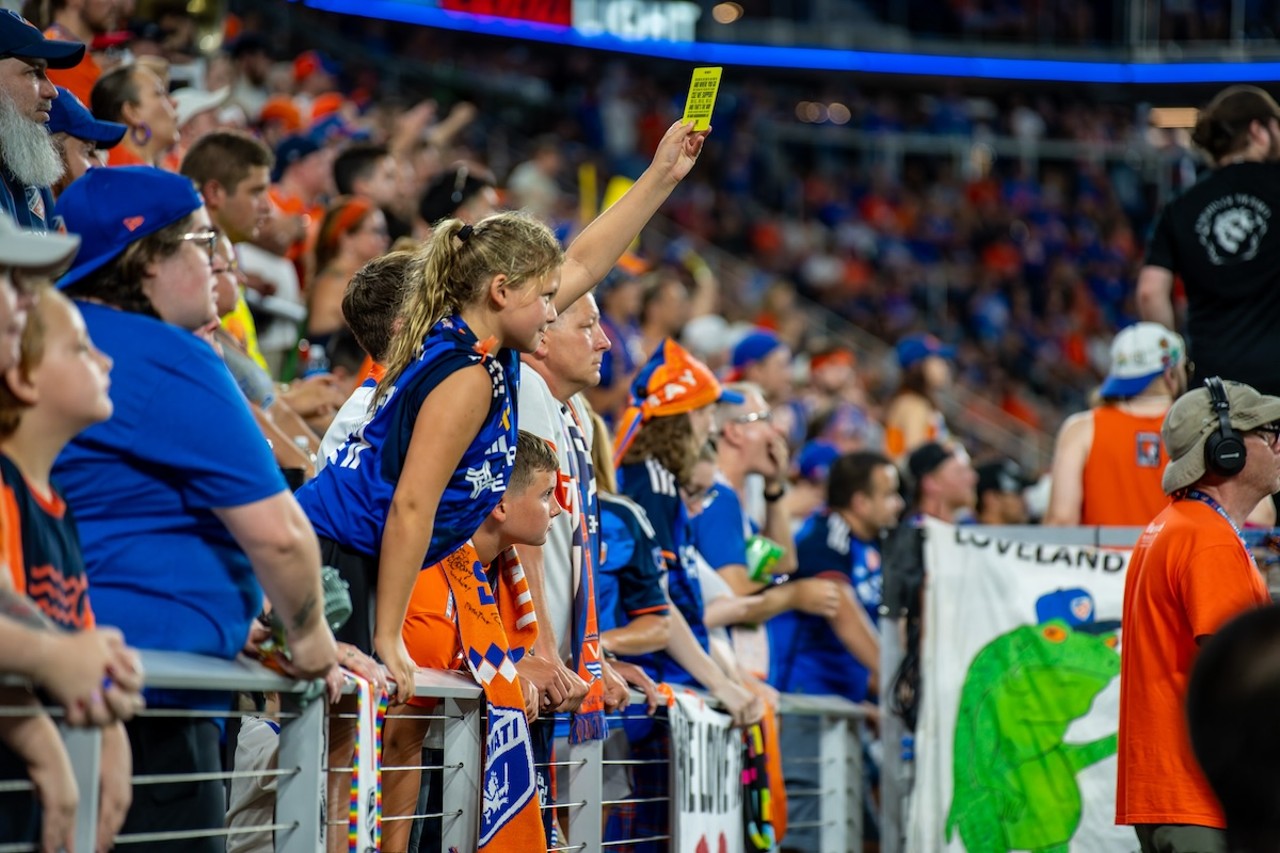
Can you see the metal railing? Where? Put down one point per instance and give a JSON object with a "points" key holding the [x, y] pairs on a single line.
{"points": [[301, 771]]}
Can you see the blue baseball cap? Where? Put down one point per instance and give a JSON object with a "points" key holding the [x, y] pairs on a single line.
{"points": [[1075, 607], [115, 207], [756, 346], [815, 459], [290, 151], [916, 348], [69, 116], [21, 39]]}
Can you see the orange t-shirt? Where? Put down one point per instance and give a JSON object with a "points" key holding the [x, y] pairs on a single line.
{"points": [[121, 156], [80, 78], [1189, 575], [1121, 483]]}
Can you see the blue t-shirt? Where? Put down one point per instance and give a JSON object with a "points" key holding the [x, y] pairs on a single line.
{"points": [[654, 489], [806, 654], [720, 531], [629, 580], [349, 500], [180, 443]]}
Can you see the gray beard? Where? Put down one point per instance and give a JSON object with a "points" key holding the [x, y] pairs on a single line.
{"points": [[27, 148]]}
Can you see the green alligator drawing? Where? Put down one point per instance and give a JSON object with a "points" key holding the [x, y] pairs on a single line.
{"points": [[1015, 778]]}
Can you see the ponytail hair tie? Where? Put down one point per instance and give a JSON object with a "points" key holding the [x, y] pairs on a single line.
{"points": [[465, 232]]}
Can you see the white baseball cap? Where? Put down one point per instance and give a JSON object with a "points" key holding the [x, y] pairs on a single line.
{"points": [[1140, 353], [38, 251], [190, 102]]}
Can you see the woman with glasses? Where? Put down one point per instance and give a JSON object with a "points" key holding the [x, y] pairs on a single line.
{"points": [[352, 233], [183, 514], [293, 443]]}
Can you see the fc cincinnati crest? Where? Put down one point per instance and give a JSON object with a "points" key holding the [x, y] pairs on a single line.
{"points": [[1148, 450], [35, 203], [508, 778]]}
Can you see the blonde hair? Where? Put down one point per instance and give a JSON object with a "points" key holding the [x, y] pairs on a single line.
{"points": [[602, 454], [31, 353], [451, 273]]}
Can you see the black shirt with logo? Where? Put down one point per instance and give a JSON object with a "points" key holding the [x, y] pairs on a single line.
{"points": [[1223, 238]]}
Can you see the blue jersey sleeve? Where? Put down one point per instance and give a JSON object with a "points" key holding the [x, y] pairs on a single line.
{"points": [[719, 533], [634, 556]]}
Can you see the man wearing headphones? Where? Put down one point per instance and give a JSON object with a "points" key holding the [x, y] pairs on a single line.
{"points": [[1189, 574]]}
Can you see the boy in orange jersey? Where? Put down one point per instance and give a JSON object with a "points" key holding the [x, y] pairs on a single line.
{"points": [[431, 633]]}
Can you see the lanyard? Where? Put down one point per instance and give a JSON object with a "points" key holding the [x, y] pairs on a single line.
{"points": [[1197, 495]]}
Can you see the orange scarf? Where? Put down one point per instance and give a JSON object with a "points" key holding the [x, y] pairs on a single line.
{"points": [[496, 629]]}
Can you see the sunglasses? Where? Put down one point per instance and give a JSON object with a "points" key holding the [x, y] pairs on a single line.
{"points": [[208, 239]]}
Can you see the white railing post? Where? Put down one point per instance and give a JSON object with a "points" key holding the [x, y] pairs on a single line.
{"points": [[833, 781], [299, 794], [463, 772], [586, 779], [84, 748]]}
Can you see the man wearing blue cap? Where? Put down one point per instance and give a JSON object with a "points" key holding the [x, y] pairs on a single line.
{"points": [[79, 138], [764, 360], [30, 162], [1108, 461]]}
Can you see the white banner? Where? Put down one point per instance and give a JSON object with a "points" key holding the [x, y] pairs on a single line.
{"points": [[706, 758], [1020, 675]]}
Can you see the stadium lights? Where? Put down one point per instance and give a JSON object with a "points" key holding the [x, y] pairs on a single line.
{"points": [[817, 59], [1173, 117], [726, 13]]}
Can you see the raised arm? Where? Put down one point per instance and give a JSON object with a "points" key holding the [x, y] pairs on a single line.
{"points": [[1155, 296], [590, 257]]}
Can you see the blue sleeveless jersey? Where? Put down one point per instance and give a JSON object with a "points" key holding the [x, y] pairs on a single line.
{"points": [[650, 485], [349, 500], [806, 655]]}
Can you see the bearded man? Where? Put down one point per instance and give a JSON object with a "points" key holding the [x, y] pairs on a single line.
{"points": [[29, 162]]}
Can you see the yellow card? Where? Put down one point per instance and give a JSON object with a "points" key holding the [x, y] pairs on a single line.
{"points": [[702, 97]]}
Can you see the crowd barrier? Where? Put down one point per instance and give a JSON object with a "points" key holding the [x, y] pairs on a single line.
{"points": [[302, 768]]}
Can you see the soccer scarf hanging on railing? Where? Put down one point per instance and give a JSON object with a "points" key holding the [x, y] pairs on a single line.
{"points": [[588, 722], [497, 628]]}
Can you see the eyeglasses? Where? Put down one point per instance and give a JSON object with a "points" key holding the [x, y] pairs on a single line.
{"points": [[1270, 433], [208, 238], [765, 417]]}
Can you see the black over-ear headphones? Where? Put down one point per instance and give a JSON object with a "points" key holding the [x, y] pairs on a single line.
{"points": [[1224, 450]]}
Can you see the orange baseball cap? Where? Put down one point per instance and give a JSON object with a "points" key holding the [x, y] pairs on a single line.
{"points": [[672, 382]]}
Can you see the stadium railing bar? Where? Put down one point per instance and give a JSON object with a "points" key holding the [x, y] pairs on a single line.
{"points": [[302, 767]]}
